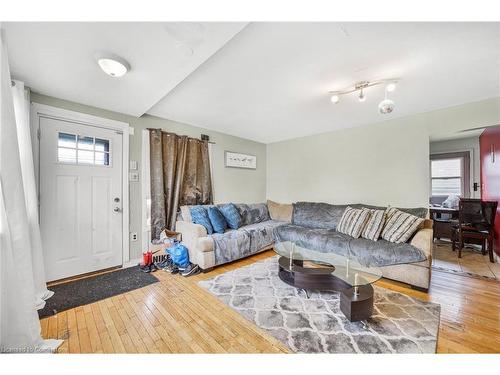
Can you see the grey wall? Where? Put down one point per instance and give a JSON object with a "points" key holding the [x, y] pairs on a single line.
{"points": [[462, 144], [230, 184], [383, 163]]}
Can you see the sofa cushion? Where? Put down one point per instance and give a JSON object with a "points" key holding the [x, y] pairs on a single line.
{"points": [[369, 253], [261, 234], [374, 225], [245, 241], [280, 211], [400, 226], [231, 214], [252, 213], [417, 211], [384, 253], [199, 215], [317, 215], [318, 239], [353, 221], [327, 216], [217, 220]]}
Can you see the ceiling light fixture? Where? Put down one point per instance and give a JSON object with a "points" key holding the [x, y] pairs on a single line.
{"points": [[386, 106], [113, 66]]}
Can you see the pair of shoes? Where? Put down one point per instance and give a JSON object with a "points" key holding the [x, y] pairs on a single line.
{"points": [[171, 268], [164, 263], [148, 268], [191, 270]]}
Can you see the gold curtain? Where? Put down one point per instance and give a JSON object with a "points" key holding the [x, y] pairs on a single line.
{"points": [[180, 175]]}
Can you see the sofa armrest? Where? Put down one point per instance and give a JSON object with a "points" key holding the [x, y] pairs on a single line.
{"points": [[195, 238], [428, 223], [423, 241], [190, 231]]}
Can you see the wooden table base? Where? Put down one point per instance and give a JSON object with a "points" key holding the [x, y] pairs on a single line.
{"points": [[354, 306], [357, 306]]}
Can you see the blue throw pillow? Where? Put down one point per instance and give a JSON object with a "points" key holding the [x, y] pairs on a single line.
{"points": [[231, 215], [199, 215], [217, 219]]}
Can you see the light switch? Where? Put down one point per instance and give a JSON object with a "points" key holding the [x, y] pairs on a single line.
{"points": [[133, 176]]}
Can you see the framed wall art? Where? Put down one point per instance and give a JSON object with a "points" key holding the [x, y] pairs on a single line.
{"points": [[239, 160]]}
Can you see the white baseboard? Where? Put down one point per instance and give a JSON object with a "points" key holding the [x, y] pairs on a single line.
{"points": [[132, 263]]}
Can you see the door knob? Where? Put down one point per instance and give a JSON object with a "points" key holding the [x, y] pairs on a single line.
{"points": [[116, 199], [116, 209]]}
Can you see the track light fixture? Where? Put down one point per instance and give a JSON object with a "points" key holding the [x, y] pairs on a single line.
{"points": [[386, 106]]}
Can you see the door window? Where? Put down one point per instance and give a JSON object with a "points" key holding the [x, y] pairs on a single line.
{"points": [[83, 150]]}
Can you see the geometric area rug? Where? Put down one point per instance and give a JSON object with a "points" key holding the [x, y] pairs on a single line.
{"points": [[399, 324]]}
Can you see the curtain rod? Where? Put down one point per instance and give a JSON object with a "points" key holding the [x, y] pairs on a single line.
{"points": [[160, 129]]}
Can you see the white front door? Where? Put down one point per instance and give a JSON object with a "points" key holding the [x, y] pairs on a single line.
{"points": [[80, 197]]}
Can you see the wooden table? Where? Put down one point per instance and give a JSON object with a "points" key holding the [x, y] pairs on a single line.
{"points": [[442, 227], [356, 301]]}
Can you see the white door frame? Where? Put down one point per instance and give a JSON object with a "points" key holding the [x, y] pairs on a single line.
{"points": [[41, 110]]}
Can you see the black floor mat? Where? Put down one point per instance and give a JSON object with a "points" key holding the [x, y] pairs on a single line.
{"points": [[85, 291]]}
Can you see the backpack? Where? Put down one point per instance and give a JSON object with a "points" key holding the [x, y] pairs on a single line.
{"points": [[179, 254]]}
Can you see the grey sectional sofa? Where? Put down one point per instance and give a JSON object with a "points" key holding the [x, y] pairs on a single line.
{"points": [[314, 225]]}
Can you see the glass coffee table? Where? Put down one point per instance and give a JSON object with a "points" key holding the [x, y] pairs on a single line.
{"points": [[309, 269]]}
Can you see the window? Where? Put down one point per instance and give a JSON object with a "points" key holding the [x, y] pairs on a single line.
{"points": [[446, 177], [79, 149], [450, 175]]}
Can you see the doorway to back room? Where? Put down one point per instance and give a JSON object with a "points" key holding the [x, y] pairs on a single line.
{"points": [[457, 189]]}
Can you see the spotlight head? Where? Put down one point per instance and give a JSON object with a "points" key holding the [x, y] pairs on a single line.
{"points": [[390, 87], [386, 106], [362, 96], [335, 98]]}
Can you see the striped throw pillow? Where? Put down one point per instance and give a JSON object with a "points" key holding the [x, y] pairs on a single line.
{"points": [[353, 221], [400, 226], [374, 225]]}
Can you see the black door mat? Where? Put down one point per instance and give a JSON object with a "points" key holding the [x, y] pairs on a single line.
{"points": [[84, 291]]}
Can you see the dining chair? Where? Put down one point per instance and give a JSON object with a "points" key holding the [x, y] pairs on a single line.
{"points": [[476, 220]]}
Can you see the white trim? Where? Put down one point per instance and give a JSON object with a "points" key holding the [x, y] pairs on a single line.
{"points": [[146, 189], [42, 110], [132, 263]]}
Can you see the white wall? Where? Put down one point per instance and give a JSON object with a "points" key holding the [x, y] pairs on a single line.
{"points": [[380, 165], [383, 163], [462, 144]]}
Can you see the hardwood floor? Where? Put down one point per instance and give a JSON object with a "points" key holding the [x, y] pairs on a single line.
{"points": [[177, 316]]}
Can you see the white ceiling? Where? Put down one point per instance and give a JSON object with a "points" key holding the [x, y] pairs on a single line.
{"points": [[270, 82], [267, 81], [58, 59]]}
